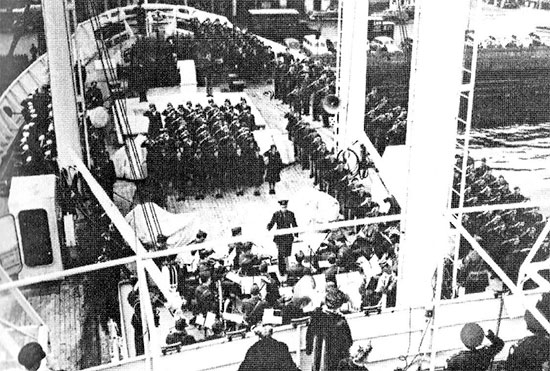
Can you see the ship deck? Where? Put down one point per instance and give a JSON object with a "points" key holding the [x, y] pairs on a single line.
{"points": [[70, 307], [217, 216]]}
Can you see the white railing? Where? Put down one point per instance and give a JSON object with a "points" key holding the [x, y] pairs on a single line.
{"points": [[394, 333]]}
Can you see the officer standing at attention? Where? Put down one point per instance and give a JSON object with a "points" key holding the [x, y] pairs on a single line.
{"points": [[283, 218]]}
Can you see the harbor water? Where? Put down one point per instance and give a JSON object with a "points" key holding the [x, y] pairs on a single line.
{"points": [[521, 154]]}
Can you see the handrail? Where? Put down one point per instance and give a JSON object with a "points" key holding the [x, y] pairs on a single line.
{"points": [[389, 331]]}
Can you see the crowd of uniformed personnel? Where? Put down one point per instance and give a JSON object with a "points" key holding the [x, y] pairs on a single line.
{"points": [[303, 85], [212, 148], [507, 235], [199, 149], [225, 48], [330, 171], [37, 150], [218, 48], [384, 124]]}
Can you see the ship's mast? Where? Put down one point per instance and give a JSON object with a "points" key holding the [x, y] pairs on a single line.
{"points": [[352, 72], [436, 74], [431, 130], [62, 82]]}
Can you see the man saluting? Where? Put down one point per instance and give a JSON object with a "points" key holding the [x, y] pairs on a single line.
{"points": [[283, 218]]}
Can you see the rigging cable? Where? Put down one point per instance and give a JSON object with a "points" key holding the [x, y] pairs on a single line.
{"points": [[130, 147], [499, 320]]}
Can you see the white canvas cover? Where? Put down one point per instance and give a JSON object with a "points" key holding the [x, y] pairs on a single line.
{"points": [[177, 227], [312, 206], [123, 165]]}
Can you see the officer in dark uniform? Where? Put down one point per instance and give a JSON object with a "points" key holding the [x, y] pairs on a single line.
{"points": [[283, 218], [105, 173], [155, 121], [94, 97], [199, 164], [141, 16], [248, 119]]}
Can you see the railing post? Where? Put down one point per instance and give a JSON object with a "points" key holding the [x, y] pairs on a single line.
{"points": [[298, 324], [298, 345]]}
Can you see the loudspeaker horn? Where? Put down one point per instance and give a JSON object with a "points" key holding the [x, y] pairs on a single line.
{"points": [[331, 104]]}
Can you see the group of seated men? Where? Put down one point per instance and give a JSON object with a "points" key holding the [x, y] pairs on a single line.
{"points": [[204, 149], [507, 235], [243, 275]]}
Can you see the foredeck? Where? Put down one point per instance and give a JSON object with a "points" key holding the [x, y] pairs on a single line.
{"points": [[70, 307], [217, 216]]}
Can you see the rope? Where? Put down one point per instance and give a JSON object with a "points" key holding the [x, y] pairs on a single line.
{"points": [[499, 320], [153, 227], [418, 353]]}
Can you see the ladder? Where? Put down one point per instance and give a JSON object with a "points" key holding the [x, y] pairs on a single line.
{"points": [[339, 46], [403, 31], [464, 118]]}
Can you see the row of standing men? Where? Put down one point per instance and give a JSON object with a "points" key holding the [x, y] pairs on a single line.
{"points": [[199, 149]]}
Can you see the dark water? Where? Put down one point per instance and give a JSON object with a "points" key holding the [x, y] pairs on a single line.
{"points": [[520, 153]]}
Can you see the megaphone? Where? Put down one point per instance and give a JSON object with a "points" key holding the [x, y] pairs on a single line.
{"points": [[331, 104]]}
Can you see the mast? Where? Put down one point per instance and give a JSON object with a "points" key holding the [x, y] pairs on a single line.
{"points": [[436, 73], [60, 59], [352, 71]]}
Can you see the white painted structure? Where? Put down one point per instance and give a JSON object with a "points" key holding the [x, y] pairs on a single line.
{"points": [[353, 74], [36, 194], [309, 5], [62, 82], [431, 161]]}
